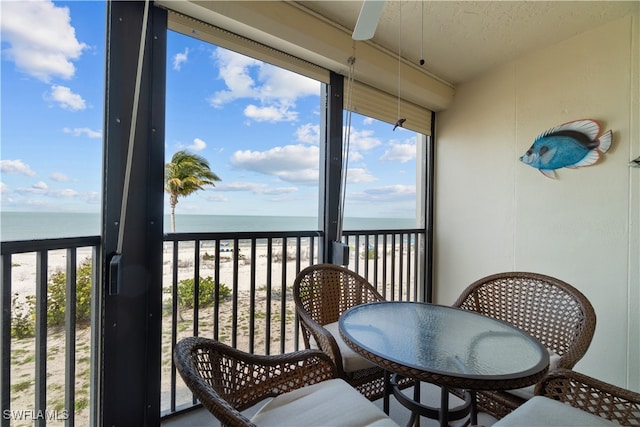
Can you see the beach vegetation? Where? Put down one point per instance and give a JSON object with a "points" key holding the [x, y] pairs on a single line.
{"points": [[206, 292], [57, 296], [29, 357], [22, 386], [81, 404], [369, 254], [58, 405], [23, 320], [186, 173]]}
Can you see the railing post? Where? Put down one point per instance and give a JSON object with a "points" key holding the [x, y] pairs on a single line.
{"points": [[40, 397], [5, 344]]}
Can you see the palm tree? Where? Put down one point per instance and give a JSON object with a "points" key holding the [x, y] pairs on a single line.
{"points": [[185, 174]]}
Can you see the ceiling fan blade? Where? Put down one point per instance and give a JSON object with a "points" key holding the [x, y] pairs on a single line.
{"points": [[368, 19]]}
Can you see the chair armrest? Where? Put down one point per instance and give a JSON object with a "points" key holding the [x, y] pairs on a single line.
{"points": [[325, 341], [591, 395], [227, 380]]}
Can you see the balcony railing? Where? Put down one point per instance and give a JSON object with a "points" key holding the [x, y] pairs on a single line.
{"points": [[235, 287], [45, 371]]}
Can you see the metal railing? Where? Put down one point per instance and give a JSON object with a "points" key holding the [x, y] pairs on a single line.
{"points": [[250, 275], [234, 287], [392, 260], [45, 360]]}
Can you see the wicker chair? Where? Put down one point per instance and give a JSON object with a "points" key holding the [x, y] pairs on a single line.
{"points": [[566, 398], [226, 380], [552, 311], [605, 400], [322, 293], [303, 386]]}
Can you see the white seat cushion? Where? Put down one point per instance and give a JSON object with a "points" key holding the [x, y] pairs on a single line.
{"points": [[329, 403], [527, 392], [351, 361], [541, 411]]}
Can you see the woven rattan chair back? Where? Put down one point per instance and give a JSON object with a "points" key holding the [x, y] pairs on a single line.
{"points": [[322, 292], [226, 380], [554, 312], [589, 394], [325, 291]]}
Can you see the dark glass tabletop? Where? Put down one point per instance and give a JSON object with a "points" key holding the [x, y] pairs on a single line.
{"points": [[445, 345]]}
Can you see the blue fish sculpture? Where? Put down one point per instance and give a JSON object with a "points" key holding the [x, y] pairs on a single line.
{"points": [[569, 145]]}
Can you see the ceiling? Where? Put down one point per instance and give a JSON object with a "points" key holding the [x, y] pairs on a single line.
{"points": [[460, 40]]}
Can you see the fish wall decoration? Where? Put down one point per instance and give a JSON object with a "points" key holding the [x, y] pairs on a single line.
{"points": [[569, 145]]}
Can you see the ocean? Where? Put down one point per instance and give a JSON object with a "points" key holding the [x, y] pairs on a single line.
{"points": [[49, 225]]}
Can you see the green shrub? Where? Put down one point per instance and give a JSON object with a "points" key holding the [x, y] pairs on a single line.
{"points": [[23, 321], [206, 292], [370, 254], [57, 295]]}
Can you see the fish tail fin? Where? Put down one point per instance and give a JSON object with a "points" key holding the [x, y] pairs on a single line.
{"points": [[549, 173], [605, 141], [591, 158]]}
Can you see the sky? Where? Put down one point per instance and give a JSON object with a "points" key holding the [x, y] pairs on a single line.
{"points": [[257, 124]]}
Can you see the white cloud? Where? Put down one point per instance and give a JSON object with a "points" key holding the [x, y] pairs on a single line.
{"points": [[16, 166], [66, 99], [234, 70], [280, 190], [198, 145], [359, 175], [309, 134], [278, 83], [255, 188], [59, 177], [3, 188], [400, 152], [42, 42], [91, 197], [293, 163], [42, 189], [276, 89], [271, 113], [65, 193], [180, 58], [362, 140], [40, 186], [90, 133], [215, 197], [355, 156], [386, 193]]}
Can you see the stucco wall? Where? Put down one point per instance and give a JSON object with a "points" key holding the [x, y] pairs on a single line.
{"points": [[494, 213]]}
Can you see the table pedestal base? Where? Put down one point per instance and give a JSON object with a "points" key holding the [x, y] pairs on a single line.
{"points": [[443, 414]]}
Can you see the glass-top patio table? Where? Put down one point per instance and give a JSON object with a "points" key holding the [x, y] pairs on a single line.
{"points": [[447, 346]]}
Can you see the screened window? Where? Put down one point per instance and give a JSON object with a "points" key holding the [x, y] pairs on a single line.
{"points": [[258, 126], [384, 180]]}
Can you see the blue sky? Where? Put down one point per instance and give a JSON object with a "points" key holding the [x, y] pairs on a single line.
{"points": [[256, 124]]}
